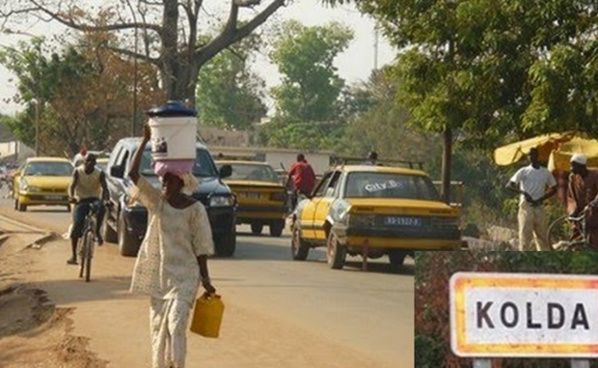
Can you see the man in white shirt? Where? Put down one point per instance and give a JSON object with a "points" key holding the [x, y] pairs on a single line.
{"points": [[535, 184]]}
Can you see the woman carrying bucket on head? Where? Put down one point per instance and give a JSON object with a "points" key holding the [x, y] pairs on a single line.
{"points": [[176, 246]]}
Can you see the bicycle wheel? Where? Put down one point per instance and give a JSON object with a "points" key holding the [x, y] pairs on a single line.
{"points": [[88, 244], [81, 246], [559, 231]]}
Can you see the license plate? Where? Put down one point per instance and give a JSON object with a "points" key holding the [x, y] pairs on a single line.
{"points": [[251, 195], [53, 197], [403, 221]]}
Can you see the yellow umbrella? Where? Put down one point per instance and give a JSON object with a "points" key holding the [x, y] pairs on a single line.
{"points": [[559, 158], [512, 153]]}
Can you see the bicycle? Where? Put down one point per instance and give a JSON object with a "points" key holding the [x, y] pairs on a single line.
{"points": [[565, 226], [87, 240]]}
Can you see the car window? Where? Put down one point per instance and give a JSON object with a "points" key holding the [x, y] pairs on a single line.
{"points": [[332, 186], [117, 157], [253, 172], [48, 169], [390, 185], [322, 185], [203, 165]]}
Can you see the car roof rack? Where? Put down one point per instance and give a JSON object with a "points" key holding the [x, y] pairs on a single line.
{"points": [[220, 156], [352, 160]]}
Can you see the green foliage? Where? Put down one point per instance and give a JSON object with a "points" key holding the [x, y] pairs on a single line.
{"points": [[229, 94], [308, 136], [310, 85]]}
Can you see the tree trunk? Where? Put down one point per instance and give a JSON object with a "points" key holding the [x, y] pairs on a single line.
{"points": [[446, 165]]}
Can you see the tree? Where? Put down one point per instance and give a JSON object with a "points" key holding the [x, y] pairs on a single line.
{"points": [[229, 94], [78, 97], [471, 67], [169, 36], [310, 85]]}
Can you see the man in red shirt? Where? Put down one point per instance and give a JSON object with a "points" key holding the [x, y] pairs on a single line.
{"points": [[303, 176]]}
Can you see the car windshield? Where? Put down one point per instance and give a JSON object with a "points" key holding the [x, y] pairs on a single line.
{"points": [[48, 169], [389, 185], [203, 166], [255, 172]]}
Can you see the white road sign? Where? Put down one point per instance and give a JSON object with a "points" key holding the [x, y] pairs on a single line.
{"points": [[524, 315]]}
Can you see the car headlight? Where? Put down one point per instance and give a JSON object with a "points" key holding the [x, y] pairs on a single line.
{"points": [[23, 184], [339, 210], [221, 201]]}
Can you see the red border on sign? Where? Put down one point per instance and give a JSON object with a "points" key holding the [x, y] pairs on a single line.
{"points": [[464, 280]]}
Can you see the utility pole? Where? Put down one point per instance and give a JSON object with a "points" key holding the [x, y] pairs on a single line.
{"points": [[37, 124], [375, 48]]}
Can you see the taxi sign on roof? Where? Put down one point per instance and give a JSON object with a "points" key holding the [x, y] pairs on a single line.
{"points": [[524, 315]]}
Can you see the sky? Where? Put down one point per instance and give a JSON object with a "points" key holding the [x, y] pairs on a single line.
{"points": [[354, 65]]}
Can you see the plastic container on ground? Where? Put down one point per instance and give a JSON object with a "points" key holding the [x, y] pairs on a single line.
{"points": [[174, 131]]}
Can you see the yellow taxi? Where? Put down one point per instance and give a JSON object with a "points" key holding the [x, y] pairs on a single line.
{"points": [[373, 211], [42, 181], [261, 197]]}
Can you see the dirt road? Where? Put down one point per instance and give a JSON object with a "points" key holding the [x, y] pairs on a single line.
{"points": [[278, 313]]}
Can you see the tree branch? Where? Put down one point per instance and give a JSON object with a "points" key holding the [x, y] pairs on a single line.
{"points": [[88, 28], [230, 36], [154, 61]]}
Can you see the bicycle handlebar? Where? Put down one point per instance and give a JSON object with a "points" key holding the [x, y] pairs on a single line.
{"points": [[581, 217]]}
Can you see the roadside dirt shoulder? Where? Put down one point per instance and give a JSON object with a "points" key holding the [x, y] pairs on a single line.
{"points": [[33, 331]]}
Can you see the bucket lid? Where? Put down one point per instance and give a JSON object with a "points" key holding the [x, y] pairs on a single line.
{"points": [[172, 108]]}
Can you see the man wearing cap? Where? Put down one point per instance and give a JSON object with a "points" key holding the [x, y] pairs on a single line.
{"points": [[582, 191], [535, 184]]}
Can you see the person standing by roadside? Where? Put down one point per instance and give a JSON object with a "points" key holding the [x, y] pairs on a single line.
{"points": [[173, 258], [582, 191], [535, 184], [372, 159], [303, 177]]}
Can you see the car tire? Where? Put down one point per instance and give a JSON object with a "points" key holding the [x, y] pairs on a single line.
{"points": [[21, 207], [16, 204], [256, 229], [299, 249], [225, 245], [276, 228], [128, 246], [335, 252], [396, 258]]}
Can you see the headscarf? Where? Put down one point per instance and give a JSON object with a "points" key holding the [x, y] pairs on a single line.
{"points": [[190, 183]]}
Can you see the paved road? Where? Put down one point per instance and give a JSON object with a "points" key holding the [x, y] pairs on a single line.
{"points": [[279, 312]]}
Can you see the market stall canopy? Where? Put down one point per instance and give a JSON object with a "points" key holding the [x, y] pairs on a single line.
{"points": [[559, 158], [512, 153]]}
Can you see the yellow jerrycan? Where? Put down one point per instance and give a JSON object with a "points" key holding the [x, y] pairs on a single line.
{"points": [[207, 315]]}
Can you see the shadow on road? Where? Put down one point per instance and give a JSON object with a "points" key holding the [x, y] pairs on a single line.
{"points": [[250, 248], [76, 290]]}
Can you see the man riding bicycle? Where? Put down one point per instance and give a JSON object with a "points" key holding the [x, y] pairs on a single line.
{"points": [[582, 191], [87, 183]]}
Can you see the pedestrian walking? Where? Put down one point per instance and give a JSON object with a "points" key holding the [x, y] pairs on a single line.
{"points": [[172, 261], [303, 178]]}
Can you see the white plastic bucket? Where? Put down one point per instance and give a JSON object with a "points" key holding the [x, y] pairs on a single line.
{"points": [[173, 138]]}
